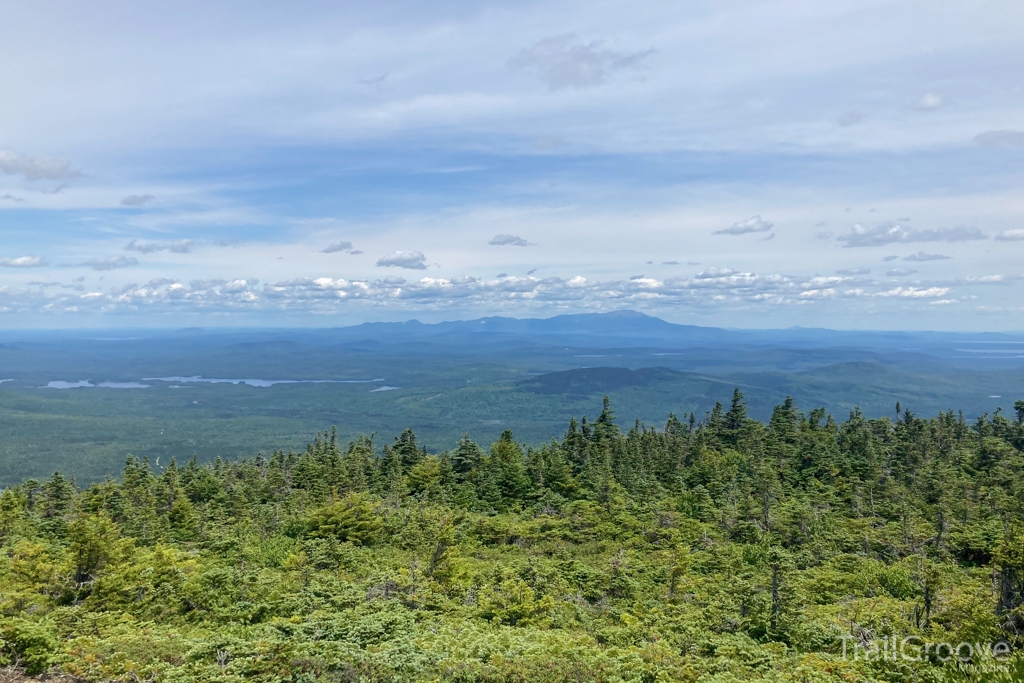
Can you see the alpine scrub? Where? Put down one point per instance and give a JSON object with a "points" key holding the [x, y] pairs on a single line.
{"points": [[711, 550]]}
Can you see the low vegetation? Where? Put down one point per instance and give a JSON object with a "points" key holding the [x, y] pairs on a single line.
{"points": [[712, 550]]}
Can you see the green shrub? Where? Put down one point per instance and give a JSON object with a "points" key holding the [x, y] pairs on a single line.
{"points": [[27, 644], [353, 519]]}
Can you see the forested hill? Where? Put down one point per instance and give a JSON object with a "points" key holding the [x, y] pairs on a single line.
{"points": [[717, 550]]}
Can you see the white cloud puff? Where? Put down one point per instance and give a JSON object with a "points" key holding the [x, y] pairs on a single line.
{"points": [[1011, 235], [714, 273], [338, 246], [752, 224], [509, 240], [413, 260], [915, 292], [894, 233], [23, 262], [922, 257], [35, 168]]}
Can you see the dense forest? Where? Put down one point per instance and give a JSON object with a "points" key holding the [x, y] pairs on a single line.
{"points": [[712, 548]]}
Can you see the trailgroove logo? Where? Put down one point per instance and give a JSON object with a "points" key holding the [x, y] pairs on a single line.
{"points": [[916, 649]]}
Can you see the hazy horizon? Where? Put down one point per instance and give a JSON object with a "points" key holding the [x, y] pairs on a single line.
{"points": [[437, 319]]}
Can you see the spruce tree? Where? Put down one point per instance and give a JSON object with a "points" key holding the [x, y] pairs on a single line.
{"points": [[605, 429], [466, 457], [509, 467], [574, 445], [735, 419]]}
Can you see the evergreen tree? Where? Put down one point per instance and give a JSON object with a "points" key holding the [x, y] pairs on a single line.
{"points": [[605, 429], [736, 419], [509, 468], [466, 457], [58, 494], [406, 450], [574, 445], [359, 465]]}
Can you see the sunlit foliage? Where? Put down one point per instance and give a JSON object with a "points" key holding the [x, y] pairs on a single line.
{"points": [[713, 549]]}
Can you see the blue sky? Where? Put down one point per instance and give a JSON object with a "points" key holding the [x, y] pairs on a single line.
{"points": [[746, 164]]}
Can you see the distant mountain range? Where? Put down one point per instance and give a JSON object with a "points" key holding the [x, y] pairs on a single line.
{"points": [[632, 328], [480, 376]]}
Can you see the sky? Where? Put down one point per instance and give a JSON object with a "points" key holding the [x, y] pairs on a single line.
{"points": [[841, 164]]}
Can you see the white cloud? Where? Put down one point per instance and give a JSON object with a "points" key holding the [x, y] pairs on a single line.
{"points": [[752, 224], [338, 246], [178, 247], [921, 256], [817, 293], [915, 292], [110, 263], [328, 295], [513, 240], [714, 273], [564, 62], [893, 233], [239, 285], [23, 262], [899, 272], [412, 260], [1011, 235], [35, 168], [137, 200]]}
